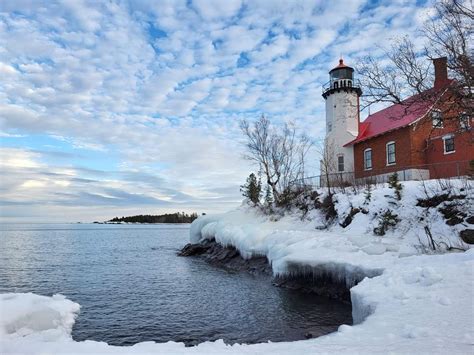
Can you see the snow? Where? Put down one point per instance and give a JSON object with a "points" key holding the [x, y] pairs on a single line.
{"points": [[405, 297], [33, 316]]}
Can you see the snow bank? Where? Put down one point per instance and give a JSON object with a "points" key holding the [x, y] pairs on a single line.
{"points": [[196, 227], [295, 247], [407, 293], [36, 317], [420, 305], [403, 301]]}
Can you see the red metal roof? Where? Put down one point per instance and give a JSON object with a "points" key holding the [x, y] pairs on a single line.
{"points": [[394, 117], [340, 65]]}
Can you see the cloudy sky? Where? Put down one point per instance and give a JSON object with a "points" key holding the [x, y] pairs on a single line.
{"points": [[111, 108]]}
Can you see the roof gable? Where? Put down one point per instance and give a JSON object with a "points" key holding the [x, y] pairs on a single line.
{"points": [[396, 116]]}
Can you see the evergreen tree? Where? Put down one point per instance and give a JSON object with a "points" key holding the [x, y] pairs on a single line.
{"points": [[394, 183], [179, 217], [268, 197], [252, 189], [367, 194]]}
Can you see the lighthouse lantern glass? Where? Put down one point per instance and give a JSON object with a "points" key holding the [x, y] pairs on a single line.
{"points": [[343, 73]]}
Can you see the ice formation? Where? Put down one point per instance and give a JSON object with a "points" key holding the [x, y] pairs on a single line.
{"points": [[404, 300]]}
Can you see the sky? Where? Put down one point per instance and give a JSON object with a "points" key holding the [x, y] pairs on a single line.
{"points": [[115, 108]]}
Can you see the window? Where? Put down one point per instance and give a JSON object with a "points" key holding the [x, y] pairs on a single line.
{"points": [[329, 126], [448, 142], [390, 153], [437, 119], [464, 121], [368, 159], [340, 163]]}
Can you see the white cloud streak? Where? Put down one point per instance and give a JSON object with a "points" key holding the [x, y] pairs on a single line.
{"points": [[164, 84]]}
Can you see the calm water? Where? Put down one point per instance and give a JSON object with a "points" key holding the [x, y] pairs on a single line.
{"points": [[132, 287]]}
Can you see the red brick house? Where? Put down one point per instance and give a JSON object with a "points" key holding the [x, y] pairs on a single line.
{"points": [[413, 138]]}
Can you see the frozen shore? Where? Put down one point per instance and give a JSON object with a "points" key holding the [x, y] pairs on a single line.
{"points": [[423, 305], [229, 258], [404, 299]]}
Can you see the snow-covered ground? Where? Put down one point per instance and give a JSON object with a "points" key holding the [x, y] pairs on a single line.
{"points": [[409, 299]]}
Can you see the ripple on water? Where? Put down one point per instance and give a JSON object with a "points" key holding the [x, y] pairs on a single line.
{"points": [[133, 288]]}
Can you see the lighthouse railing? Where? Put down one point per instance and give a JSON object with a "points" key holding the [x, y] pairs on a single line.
{"points": [[341, 84]]}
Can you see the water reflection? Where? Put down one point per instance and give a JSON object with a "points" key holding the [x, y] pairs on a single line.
{"points": [[133, 288]]}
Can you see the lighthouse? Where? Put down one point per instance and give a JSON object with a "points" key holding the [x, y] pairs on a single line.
{"points": [[342, 95]]}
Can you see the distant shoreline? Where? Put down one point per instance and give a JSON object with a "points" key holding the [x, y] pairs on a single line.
{"points": [[178, 217], [131, 223]]}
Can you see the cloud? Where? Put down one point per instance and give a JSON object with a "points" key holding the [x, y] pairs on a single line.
{"points": [[212, 9], [151, 93], [11, 135]]}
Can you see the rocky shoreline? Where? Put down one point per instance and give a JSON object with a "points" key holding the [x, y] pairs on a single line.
{"points": [[230, 259]]}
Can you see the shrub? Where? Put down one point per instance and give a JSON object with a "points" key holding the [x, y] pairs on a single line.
{"points": [[367, 194], [386, 220], [307, 200], [329, 208]]}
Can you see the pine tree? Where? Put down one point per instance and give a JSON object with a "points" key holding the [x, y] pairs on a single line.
{"points": [[268, 197], [252, 189], [367, 194], [393, 183]]}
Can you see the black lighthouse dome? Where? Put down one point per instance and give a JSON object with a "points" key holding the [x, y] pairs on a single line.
{"points": [[342, 71]]}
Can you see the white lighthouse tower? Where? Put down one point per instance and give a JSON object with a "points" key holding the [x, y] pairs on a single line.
{"points": [[342, 120]]}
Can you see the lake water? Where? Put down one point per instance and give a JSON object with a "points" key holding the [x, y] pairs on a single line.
{"points": [[132, 287]]}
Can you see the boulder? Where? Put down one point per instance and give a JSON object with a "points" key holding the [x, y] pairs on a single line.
{"points": [[467, 236], [193, 249]]}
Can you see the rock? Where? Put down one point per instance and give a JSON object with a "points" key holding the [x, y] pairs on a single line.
{"points": [[230, 259], [193, 249], [467, 236], [470, 219], [436, 200], [349, 217], [454, 220], [452, 213], [308, 335]]}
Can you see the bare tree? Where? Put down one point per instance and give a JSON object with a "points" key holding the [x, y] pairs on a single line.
{"points": [[406, 75], [327, 164], [448, 33], [279, 152]]}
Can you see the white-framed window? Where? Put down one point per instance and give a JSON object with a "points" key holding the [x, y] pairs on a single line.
{"points": [[390, 149], [448, 144], [464, 121], [368, 159], [340, 163], [437, 119]]}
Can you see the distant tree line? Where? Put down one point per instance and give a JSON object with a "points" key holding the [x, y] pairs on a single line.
{"points": [[179, 217]]}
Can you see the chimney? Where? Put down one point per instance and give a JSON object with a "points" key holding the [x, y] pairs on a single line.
{"points": [[441, 72]]}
